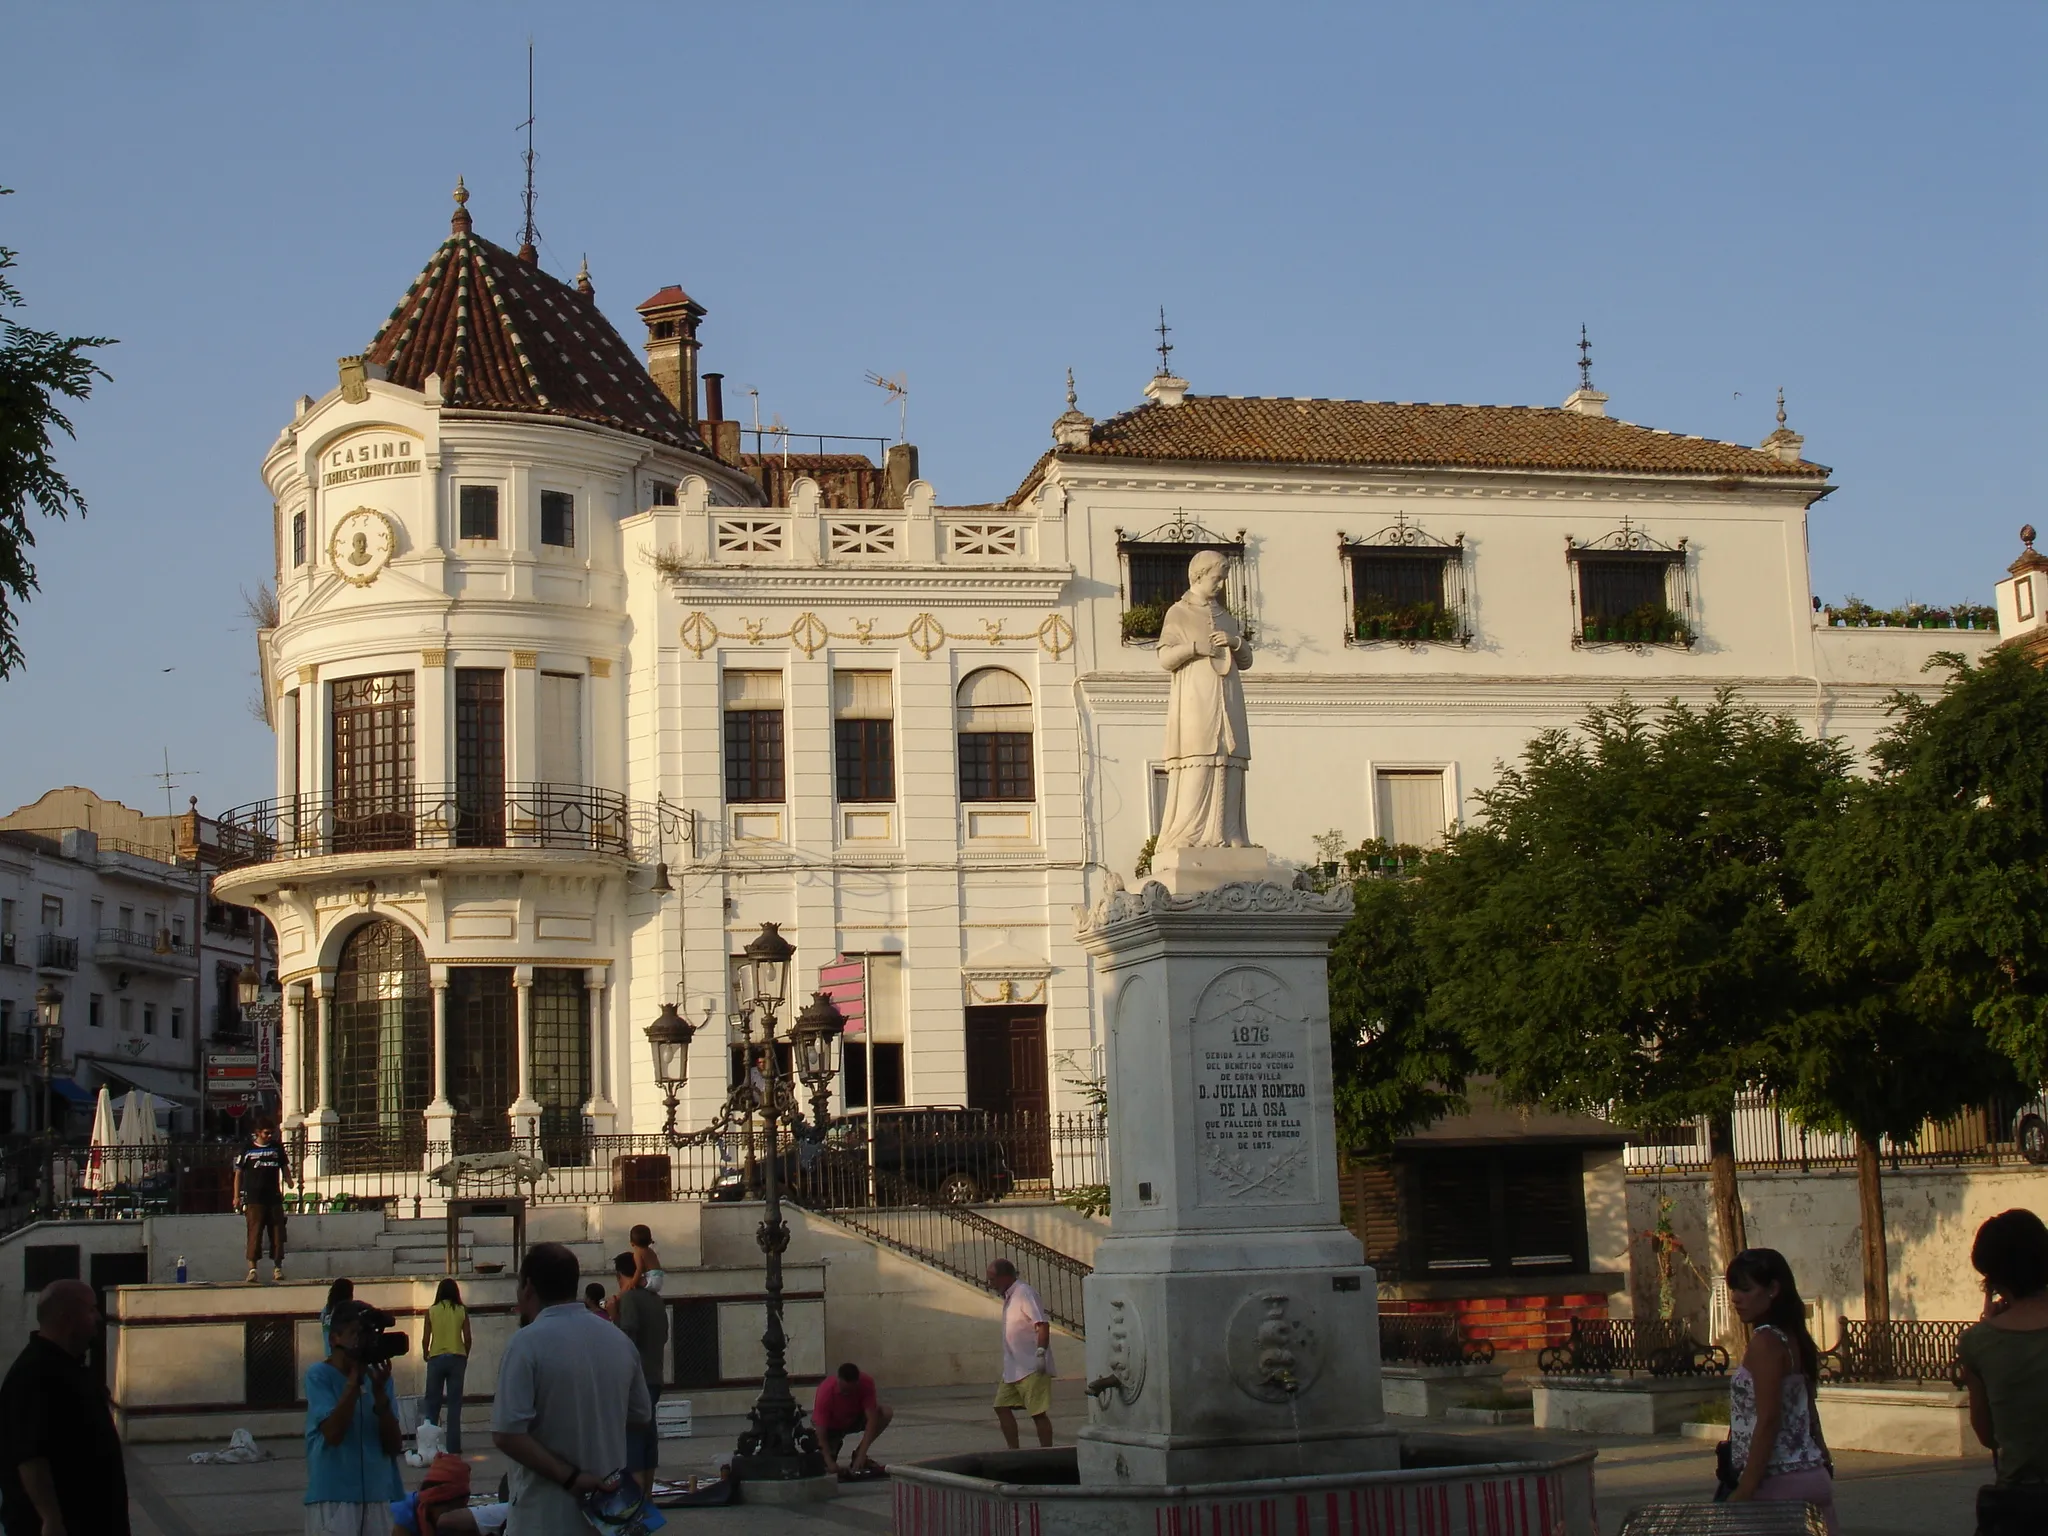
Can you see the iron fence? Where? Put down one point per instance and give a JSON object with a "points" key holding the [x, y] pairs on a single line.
{"points": [[942, 1156], [1766, 1136], [1618, 1346], [1908, 1350]]}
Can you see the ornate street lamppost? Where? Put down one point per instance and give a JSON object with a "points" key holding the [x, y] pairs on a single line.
{"points": [[778, 1446], [669, 1037]]}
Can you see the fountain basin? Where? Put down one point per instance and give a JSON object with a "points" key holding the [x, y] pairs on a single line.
{"points": [[1447, 1485]]}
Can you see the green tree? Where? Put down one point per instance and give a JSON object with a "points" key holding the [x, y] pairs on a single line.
{"points": [[1938, 881], [1611, 935], [37, 368], [1397, 1068], [1925, 921]]}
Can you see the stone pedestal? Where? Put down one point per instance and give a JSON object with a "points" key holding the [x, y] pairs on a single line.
{"points": [[1232, 1322]]}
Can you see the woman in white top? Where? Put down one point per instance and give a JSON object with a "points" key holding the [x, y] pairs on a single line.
{"points": [[1774, 1441]]}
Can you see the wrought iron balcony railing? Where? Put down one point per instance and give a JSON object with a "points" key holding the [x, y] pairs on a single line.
{"points": [[158, 950], [570, 817]]}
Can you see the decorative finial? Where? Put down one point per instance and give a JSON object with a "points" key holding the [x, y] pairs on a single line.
{"points": [[1781, 407], [1165, 346], [459, 221], [2027, 534], [528, 232], [1585, 359], [1073, 400], [583, 284]]}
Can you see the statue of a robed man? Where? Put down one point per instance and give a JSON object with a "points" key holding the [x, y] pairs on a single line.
{"points": [[1207, 743]]}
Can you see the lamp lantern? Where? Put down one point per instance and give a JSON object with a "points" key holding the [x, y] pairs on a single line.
{"points": [[768, 958], [669, 1036], [249, 986], [817, 1028]]}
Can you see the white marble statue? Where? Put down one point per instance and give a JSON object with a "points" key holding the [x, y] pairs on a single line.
{"points": [[1207, 743]]}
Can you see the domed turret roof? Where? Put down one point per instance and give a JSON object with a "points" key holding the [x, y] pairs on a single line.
{"points": [[505, 336]]}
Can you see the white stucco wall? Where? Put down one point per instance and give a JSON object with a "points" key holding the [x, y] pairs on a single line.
{"points": [[1931, 1218]]}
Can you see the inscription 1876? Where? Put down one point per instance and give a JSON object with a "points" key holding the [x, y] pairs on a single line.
{"points": [[1251, 1087]]}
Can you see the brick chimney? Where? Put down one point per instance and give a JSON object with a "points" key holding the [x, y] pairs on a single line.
{"points": [[672, 317]]}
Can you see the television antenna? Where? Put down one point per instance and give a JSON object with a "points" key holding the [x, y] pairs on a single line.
{"points": [[171, 778], [897, 389], [528, 234], [775, 428]]}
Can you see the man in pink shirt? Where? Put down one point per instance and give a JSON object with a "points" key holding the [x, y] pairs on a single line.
{"points": [[845, 1405]]}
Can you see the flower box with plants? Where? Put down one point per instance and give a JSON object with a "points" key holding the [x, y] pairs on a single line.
{"points": [[1651, 624], [1409, 623], [1143, 621]]}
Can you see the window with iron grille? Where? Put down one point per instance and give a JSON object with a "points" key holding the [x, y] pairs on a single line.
{"points": [[994, 718], [479, 757], [864, 736], [383, 1033], [1613, 588], [753, 737], [1629, 588], [298, 539], [1406, 586], [561, 1050], [1156, 573], [558, 519], [483, 1062], [371, 720], [477, 512]]}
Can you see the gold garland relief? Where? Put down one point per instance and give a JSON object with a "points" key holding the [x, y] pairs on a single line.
{"points": [[926, 635]]}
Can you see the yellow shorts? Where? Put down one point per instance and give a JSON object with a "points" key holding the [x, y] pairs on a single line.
{"points": [[1033, 1394]]}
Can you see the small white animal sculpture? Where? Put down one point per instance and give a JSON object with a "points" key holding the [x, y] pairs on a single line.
{"points": [[493, 1168]]}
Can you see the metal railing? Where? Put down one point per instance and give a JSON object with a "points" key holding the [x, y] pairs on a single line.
{"points": [[1429, 1338], [1617, 1346], [54, 952], [572, 817], [1908, 1350], [1766, 1136], [142, 948], [961, 1242], [920, 1161]]}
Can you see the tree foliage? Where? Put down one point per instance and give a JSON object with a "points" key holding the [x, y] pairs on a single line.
{"points": [[1396, 1068], [1935, 880], [37, 369], [1612, 934]]}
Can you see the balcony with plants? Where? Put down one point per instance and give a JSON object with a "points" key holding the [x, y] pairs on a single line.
{"points": [[1406, 623]]}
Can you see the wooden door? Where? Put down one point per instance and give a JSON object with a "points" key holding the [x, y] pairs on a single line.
{"points": [[1007, 1076]]}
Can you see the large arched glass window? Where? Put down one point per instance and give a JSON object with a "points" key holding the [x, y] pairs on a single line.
{"points": [[383, 1040], [994, 719]]}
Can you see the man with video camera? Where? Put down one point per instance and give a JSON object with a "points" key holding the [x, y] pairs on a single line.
{"points": [[352, 1433]]}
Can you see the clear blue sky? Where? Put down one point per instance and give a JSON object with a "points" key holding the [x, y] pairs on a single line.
{"points": [[1378, 201]]}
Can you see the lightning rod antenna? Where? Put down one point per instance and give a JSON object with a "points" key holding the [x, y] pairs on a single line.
{"points": [[528, 233]]}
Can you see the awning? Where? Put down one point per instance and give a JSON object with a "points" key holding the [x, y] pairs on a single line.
{"points": [[152, 1080], [69, 1091]]}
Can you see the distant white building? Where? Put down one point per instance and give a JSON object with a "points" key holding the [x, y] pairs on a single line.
{"points": [[551, 645], [104, 906]]}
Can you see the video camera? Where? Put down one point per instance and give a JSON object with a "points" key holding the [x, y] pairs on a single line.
{"points": [[381, 1343]]}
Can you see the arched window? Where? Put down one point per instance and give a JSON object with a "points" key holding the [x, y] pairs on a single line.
{"points": [[994, 718], [383, 1042]]}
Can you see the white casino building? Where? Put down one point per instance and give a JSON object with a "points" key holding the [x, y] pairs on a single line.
{"points": [[544, 629]]}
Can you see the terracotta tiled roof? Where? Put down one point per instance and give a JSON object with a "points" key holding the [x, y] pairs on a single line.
{"points": [[505, 336], [1397, 435], [668, 298]]}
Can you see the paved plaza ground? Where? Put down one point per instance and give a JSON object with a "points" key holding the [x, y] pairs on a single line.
{"points": [[1877, 1495]]}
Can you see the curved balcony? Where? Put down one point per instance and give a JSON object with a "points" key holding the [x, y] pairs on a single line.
{"points": [[568, 818]]}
